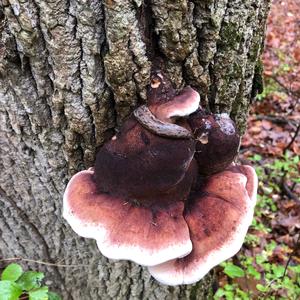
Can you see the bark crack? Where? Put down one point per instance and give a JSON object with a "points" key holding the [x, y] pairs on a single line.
{"points": [[213, 80]]}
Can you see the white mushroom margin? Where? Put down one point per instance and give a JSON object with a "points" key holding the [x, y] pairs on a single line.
{"points": [[135, 253]]}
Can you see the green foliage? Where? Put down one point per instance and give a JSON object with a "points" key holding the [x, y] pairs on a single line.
{"points": [[285, 166], [270, 87], [12, 272], [233, 271], [275, 283], [260, 226], [283, 68], [53, 296], [252, 240], [269, 278], [15, 283], [9, 290], [30, 280], [231, 292], [265, 206], [39, 294]]}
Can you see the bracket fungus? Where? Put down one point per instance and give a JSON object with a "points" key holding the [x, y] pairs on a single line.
{"points": [[164, 192]]}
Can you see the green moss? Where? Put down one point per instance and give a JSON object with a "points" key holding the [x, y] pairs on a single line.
{"points": [[255, 50], [230, 36]]}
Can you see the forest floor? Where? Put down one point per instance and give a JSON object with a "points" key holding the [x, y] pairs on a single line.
{"points": [[268, 265]]}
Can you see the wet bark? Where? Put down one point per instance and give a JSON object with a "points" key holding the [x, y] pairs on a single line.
{"points": [[70, 72]]}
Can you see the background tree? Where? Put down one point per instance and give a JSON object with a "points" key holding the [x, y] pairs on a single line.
{"points": [[71, 71]]}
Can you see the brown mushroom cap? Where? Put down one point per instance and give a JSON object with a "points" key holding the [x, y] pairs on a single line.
{"points": [[123, 229], [185, 103], [217, 141], [218, 217], [138, 164]]}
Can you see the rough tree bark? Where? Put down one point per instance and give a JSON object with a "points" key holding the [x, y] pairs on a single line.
{"points": [[70, 72]]}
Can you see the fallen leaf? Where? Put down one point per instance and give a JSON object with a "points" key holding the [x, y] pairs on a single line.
{"points": [[297, 54], [290, 221]]}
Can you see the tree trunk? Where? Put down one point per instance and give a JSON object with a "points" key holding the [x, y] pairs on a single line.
{"points": [[70, 72]]}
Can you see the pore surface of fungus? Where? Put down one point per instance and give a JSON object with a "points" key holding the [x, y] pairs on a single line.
{"points": [[164, 192]]}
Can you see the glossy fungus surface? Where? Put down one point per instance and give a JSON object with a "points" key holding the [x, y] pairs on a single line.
{"points": [[164, 192]]}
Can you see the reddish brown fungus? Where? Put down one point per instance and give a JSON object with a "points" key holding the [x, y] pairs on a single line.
{"points": [[217, 141], [151, 197]]}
